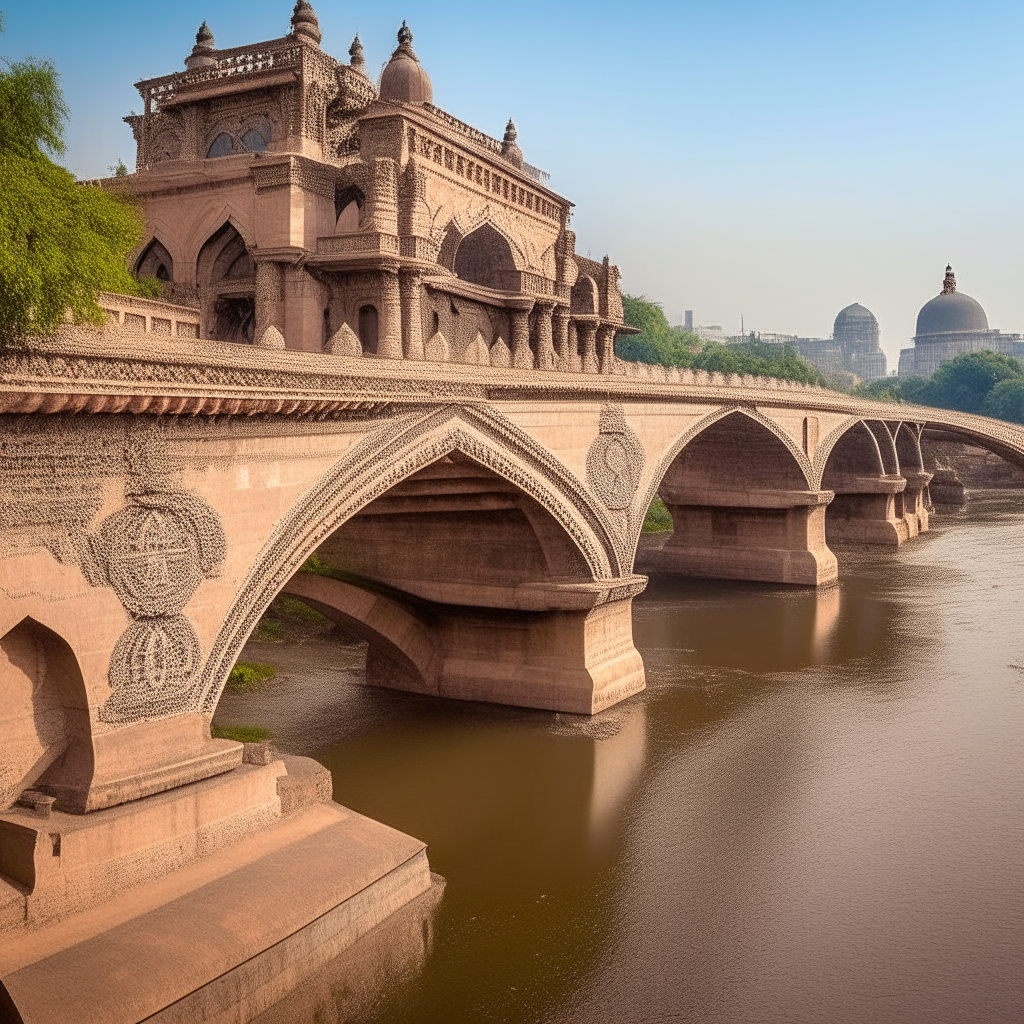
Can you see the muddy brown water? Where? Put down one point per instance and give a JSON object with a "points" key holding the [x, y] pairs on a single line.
{"points": [[815, 812]]}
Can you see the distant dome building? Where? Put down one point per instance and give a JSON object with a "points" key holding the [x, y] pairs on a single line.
{"points": [[853, 351], [858, 337], [947, 326]]}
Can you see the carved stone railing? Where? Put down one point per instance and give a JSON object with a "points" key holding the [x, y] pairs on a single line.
{"points": [[149, 316], [240, 61], [482, 139], [363, 242], [466, 130]]}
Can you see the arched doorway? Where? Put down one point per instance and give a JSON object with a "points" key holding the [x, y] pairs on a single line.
{"points": [[227, 287], [484, 257]]}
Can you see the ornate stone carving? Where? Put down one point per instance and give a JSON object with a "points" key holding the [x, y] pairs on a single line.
{"points": [[437, 349], [615, 460], [271, 338], [500, 354], [344, 342], [154, 553]]}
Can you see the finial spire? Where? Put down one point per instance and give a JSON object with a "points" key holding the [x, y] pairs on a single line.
{"points": [[509, 149], [949, 283], [305, 24], [202, 53], [355, 52], [404, 34]]}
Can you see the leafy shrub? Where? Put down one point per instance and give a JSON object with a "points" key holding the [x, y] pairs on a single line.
{"points": [[270, 631], [658, 518], [247, 676]]}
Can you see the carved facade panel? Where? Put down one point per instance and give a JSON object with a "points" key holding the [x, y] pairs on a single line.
{"points": [[615, 460]]}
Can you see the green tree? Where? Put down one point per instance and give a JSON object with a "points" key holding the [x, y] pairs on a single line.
{"points": [[1006, 400], [60, 242], [674, 346], [965, 382]]}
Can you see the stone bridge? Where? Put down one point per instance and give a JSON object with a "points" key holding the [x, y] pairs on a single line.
{"points": [[478, 526]]}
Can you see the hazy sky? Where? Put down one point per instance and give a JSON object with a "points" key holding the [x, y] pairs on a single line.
{"points": [[775, 160]]}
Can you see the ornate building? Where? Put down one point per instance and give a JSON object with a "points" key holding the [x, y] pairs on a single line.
{"points": [[950, 324], [298, 205]]}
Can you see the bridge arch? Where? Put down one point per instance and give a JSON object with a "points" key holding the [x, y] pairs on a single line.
{"points": [[742, 503], [565, 557]]}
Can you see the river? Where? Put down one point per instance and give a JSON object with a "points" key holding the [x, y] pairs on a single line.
{"points": [[815, 812]]}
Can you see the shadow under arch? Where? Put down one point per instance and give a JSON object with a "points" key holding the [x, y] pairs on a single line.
{"points": [[44, 717], [738, 490], [583, 567], [693, 431]]}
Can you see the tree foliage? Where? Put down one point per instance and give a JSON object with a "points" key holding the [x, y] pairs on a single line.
{"points": [[990, 383], [674, 346], [60, 242]]}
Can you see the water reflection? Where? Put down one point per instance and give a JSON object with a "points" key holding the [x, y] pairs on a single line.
{"points": [[815, 812], [350, 985]]}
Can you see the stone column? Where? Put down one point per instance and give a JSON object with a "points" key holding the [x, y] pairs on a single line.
{"points": [[606, 347], [411, 284], [915, 507], [586, 327], [546, 359], [561, 338], [269, 299], [389, 338], [866, 510], [522, 357]]}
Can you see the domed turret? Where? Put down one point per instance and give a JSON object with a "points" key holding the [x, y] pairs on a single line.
{"points": [[951, 311], [305, 24], [202, 53], [509, 150], [404, 80]]}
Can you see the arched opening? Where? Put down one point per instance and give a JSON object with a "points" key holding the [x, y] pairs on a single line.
{"points": [[742, 508], [465, 585], [255, 141], [584, 297], [484, 257], [348, 209], [863, 471], [222, 145], [227, 287], [156, 261], [44, 717], [369, 324]]}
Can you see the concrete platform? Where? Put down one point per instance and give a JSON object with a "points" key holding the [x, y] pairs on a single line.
{"points": [[223, 938]]}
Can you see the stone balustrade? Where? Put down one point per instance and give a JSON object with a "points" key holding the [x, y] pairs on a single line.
{"points": [[149, 316]]}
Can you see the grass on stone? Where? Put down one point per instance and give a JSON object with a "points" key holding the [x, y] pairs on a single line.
{"points": [[658, 518], [247, 676], [301, 610], [269, 631], [240, 733]]}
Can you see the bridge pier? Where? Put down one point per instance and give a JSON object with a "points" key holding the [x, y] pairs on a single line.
{"points": [[562, 648], [868, 510], [769, 536], [915, 507]]}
